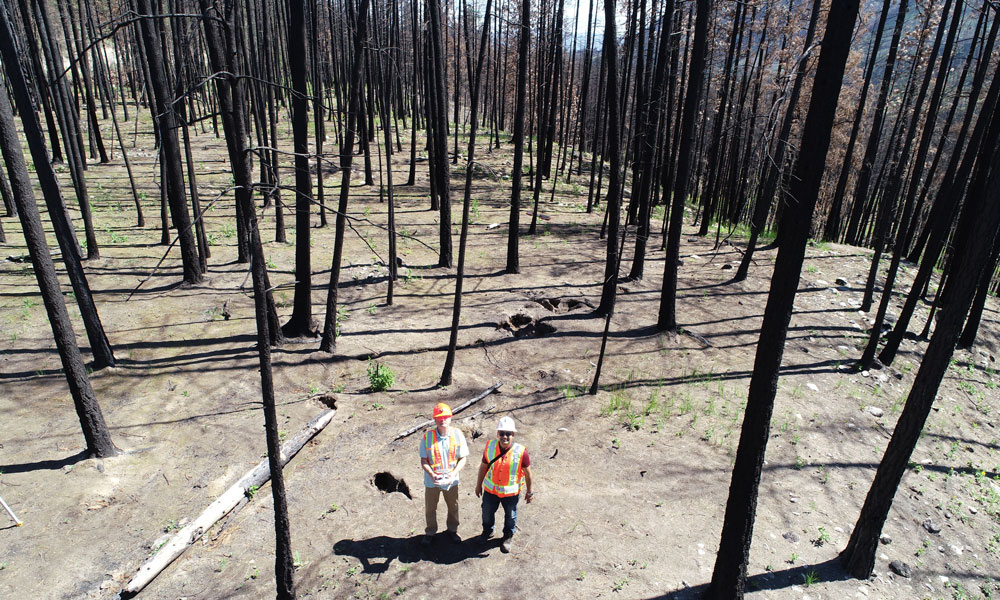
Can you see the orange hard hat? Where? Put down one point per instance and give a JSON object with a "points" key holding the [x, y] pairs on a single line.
{"points": [[442, 411]]}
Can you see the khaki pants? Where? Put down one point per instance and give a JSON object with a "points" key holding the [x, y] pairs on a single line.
{"points": [[431, 495]]}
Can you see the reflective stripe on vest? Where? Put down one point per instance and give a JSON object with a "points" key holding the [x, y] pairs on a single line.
{"points": [[505, 475], [434, 451]]}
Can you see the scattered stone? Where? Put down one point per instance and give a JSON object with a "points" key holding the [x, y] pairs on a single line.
{"points": [[492, 226], [901, 568], [727, 266], [885, 539], [866, 373], [956, 549], [841, 281], [694, 257], [875, 411], [821, 283], [972, 509], [931, 526], [813, 387], [947, 514], [562, 429], [791, 537]]}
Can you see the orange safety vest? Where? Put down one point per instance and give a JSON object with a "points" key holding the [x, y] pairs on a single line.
{"points": [[505, 475], [434, 450]]}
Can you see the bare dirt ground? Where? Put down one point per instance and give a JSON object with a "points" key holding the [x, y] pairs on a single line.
{"points": [[631, 483]]}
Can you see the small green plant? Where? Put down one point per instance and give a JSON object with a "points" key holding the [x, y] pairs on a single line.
{"points": [[222, 565], [314, 389], [252, 491], [380, 376], [619, 585], [799, 463], [353, 571], [297, 561], [581, 576], [342, 315], [823, 538], [809, 578], [791, 559], [372, 309], [270, 263]]}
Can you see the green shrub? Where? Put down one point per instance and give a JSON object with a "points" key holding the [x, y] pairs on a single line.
{"points": [[380, 377]]}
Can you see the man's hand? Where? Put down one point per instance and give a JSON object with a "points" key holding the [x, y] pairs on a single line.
{"points": [[479, 490]]}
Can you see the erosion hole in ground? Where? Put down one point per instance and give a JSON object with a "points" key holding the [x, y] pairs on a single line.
{"points": [[535, 330], [560, 305], [520, 320], [387, 483]]}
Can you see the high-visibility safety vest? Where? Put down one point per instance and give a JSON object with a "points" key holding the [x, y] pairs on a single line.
{"points": [[431, 440], [505, 475]]}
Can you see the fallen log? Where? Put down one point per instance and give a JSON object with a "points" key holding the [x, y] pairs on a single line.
{"points": [[460, 408], [256, 477]]}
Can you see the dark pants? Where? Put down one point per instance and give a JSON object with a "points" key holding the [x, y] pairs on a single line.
{"points": [[490, 504]]}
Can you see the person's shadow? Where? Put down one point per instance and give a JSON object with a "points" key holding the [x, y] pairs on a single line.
{"points": [[377, 553]]}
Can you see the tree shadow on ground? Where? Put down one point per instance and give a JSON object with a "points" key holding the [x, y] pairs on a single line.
{"points": [[49, 465], [804, 575], [377, 554]]}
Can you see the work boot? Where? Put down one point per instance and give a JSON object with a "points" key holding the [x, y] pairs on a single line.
{"points": [[486, 535], [505, 545], [453, 537]]}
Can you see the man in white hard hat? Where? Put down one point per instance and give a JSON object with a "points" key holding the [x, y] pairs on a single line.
{"points": [[506, 467]]}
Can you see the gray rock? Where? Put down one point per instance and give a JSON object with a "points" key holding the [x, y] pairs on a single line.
{"points": [[901, 568], [791, 537], [885, 539], [727, 266], [875, 411], [931, 526], [841, 281]]}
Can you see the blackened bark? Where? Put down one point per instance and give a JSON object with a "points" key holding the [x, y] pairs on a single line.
{"points": [[439, 119], [970, 260], [166, 116], [449, 361], [667, 317], [729, 575], [513, 233], [95, 430], [346, 158], [100, 346], [301, 323]]}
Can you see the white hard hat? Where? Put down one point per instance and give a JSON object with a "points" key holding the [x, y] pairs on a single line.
{"points": [[506, 424]]}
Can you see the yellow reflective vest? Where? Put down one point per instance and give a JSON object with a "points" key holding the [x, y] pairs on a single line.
{"points": [[505, 475], [434, 450]]}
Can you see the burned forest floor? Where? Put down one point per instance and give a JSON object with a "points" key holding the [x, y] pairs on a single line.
{"points": [[631, 483]]}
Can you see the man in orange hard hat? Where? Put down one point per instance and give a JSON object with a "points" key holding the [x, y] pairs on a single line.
{"points": [[443, 453], [505, 469]]}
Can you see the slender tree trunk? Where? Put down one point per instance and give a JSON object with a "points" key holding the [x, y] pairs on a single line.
{"points": [[95, 430], [301, 323], [667, 317], [513, 233], [729, 575], [346, 158], [449, 361], [166, 116], [972, 258]]}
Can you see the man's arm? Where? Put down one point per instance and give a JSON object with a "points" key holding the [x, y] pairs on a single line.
{"points": [[479, 480], [527, 480]]}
